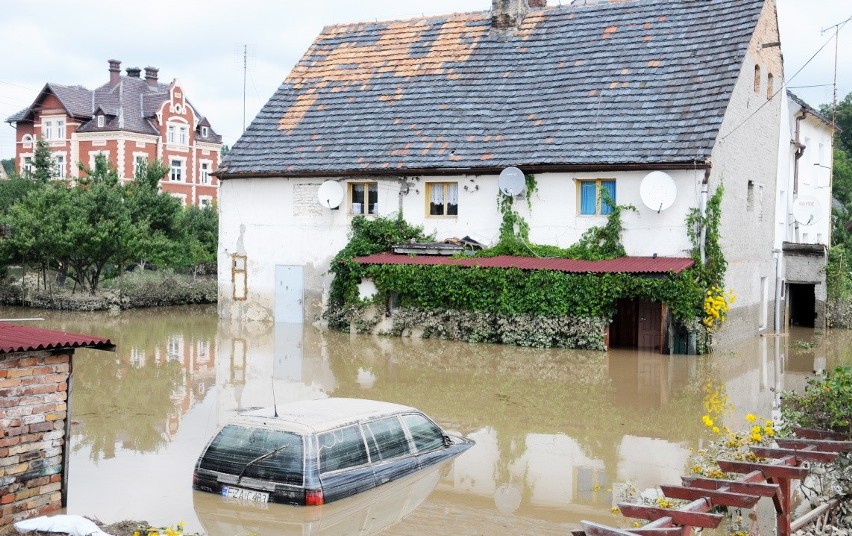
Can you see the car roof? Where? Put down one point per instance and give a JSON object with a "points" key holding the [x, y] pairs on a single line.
{"points": [[320, 414]]}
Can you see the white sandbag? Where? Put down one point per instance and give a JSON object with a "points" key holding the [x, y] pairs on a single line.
{"points": [[71, 525]]}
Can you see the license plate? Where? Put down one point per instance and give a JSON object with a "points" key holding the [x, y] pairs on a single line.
{"points": [[245, 494]]}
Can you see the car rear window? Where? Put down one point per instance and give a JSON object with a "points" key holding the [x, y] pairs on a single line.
{"points": [[390, 438], [261, 453], [427, 436], [342, 448]]}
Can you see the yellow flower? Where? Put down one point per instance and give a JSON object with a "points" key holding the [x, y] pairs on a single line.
{"points": [[715, 429], [750, 417], [708, 422], [615, 510], [769, 431], [756, 437]]}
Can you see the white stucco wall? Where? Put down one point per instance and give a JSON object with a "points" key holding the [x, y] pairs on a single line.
{"points": [[279, 221], [745, 161]]}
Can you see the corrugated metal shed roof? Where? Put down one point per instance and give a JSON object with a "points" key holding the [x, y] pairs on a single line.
{"points": [[622, 265], [635, 82], [17, 338]]}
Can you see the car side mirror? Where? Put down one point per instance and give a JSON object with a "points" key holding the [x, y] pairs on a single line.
{"points": [[447, 441]]}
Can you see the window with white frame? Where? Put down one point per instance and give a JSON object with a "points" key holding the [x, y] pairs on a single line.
{"points": [[177, 134], [591, 197], [139, 161], [364, 197], [27, 165], [204, 172], [443, 198], [53, 129], [59, 164], [204, 132], [100, 120], [176, 170], [205, 201], [93, 155], [27, 141]]}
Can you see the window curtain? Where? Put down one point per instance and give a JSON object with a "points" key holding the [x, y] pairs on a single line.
{"points": [[588, 197], [609, 186], [436, 199], [452, 199]]}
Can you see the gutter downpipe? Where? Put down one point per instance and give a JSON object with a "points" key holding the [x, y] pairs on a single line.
{"points": [[778, 279], [702, 207], [800, 151]]}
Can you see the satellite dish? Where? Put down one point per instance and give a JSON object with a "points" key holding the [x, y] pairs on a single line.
{"points": [[512, 181], [806, 210], [658, 191], [330, 194]]}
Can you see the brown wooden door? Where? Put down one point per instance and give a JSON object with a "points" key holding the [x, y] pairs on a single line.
{"points": [[650, 326]]}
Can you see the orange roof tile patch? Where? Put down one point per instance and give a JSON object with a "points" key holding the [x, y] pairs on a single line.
{"points": [[609, 31], [454, 157], [577, 63], [486, 156], [294, 115], [654, 63], [647, 26], [593, 92], [647, 38]]}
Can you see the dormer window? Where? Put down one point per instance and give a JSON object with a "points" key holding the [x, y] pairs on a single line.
{"points": [[100, 121], [204, 132]]}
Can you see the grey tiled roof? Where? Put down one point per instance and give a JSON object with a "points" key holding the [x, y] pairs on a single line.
{"points": [[629, 82], [811, 110], [129, 103], [129, 106]]}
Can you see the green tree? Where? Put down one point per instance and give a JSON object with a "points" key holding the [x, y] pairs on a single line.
{"points": [[200, 226], [44, 166]]}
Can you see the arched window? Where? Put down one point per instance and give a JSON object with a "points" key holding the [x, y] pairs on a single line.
{"points": [[757, 78], [769, 86]]}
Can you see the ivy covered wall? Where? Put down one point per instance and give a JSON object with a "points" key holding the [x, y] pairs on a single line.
{"points": [[539, 308]]}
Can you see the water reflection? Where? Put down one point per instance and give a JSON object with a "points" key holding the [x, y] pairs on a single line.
{"points": [[556, 430]]}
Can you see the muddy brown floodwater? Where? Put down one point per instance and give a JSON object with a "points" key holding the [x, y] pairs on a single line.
{"points": [[557, 432]]}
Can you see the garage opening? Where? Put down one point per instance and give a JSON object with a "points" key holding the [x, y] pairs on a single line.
{"points": [[637, 325], [802, 299]]}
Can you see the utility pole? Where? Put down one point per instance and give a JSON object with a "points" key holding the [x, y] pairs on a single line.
{"points": [[836, 28], [245, 69]]}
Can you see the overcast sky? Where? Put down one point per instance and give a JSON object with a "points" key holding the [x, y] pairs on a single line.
{"points": [[201, 43]]}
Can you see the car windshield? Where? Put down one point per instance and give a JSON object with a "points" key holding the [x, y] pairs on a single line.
{"points": [[260, 453]]}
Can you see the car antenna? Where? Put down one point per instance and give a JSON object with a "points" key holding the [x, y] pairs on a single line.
{"points": [[274, 404]]}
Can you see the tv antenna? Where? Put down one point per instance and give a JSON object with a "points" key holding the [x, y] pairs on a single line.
{"points": [[836, 28]]}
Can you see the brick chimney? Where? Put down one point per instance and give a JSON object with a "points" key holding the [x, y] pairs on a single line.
{"points": [[508, 14], [151, 76], [114, 72], [133, 72]]}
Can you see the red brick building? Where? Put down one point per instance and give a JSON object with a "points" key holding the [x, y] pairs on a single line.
{"points": [[129, 119], [35, 380]]}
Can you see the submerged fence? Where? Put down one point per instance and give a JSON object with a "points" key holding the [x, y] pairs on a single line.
{"points": [[771, 479]]}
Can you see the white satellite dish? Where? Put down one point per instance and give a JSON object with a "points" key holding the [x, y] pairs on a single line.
{"points": [[658, 191], [806, 210], [330, 194], [512, 181]]}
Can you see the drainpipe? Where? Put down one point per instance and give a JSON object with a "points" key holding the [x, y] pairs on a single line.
{"points": [[702, 207], [800, 151], [778, 279]]}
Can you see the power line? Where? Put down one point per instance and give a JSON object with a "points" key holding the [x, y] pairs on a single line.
{"points": [[784, 84]]}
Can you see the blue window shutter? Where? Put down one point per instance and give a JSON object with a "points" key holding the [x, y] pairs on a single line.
{"points": [[609, 186], [588, 197]]}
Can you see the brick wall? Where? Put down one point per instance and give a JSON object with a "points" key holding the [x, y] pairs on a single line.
{"points": [[33, 411]]}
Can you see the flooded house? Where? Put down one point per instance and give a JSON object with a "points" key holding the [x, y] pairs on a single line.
{"points": [[654, 104]]}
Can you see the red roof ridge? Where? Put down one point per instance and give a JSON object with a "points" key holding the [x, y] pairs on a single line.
{"points": [[634, 265], [18, 338]]}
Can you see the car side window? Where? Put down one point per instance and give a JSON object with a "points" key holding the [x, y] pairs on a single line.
{"points": [[427, 436], [390, 438], [342, 448]]}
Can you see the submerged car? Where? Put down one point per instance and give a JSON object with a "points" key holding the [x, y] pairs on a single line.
{"points": [[318, 451]]}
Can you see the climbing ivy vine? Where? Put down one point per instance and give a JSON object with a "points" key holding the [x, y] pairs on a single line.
{"points": [[496, 294]]}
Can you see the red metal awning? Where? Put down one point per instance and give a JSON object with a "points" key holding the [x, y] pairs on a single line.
{"points": [[16, 338], [621, 265]]}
